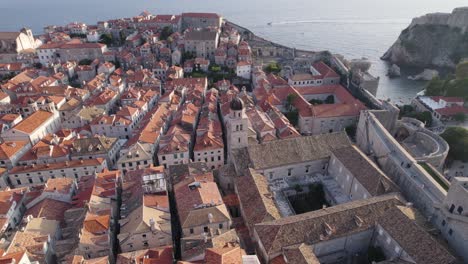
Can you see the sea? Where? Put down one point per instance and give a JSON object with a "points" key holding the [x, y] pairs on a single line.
{"points": [[353, 28]]}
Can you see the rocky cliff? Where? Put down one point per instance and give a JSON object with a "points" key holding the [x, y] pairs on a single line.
{"points": [[432, 40]]}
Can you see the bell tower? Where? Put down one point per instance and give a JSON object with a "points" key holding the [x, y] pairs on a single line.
{"points": [[236, 126]]}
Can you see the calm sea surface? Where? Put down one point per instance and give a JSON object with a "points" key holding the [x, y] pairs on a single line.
{"points": [[354, 28]]}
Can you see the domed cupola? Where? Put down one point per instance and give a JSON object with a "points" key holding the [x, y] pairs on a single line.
{"points": [[237, 104]]}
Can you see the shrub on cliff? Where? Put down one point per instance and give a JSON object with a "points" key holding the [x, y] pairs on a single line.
{"points": [[448, 87], [462, 70], [457, 138]]}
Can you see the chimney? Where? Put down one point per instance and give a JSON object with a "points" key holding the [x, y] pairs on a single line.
{"points": [[210, 218]]}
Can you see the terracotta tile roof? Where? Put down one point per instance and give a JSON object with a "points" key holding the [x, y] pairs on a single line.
{"points": [[256, 198], [106, 183], [33, 122], [87, 45], [96, 224], [100, 260], [324, 224], [10, 258], [301, 254], [447, 99], [419, 245], [161, 255], [208, 141], [61, 185], [366, 172], [49, 209], [294, 150], [224, 255], [155, 200], [46, 150], [201, 15], [8, 118], [9, 148], [196, 199], [325, 70], [452, 110], [31, 242], [58, 165], [85, 189], [346, 104], [177, 140], [8, 197]]}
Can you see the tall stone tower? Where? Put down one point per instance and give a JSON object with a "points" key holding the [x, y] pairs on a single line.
{"points": [[237, 125]]}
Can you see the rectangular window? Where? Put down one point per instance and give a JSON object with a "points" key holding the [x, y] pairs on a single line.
{"points": [[191, 230]]}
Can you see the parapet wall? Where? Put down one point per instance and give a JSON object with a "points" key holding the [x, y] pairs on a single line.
{"points": [[415, 183], [434, 148]]}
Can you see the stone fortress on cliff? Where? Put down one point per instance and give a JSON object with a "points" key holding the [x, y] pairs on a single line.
{"points": [[457, 19]]}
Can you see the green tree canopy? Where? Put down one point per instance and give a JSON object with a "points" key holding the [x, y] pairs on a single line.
{"points": [[457, 138], [329, 100], [273, 67], [462, 70], [460, 117], [290, 101], [85, 62], [106, 38], [165, 33]]}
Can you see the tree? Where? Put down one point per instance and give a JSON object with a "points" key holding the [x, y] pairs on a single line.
{"points": [[215, 68], [188, 56], [75, 35], [122, 37], [462, 70], [165, 33], [290, 100], [37, 65], [460, 117], [315, 102], [85, 62], [457, 138], [351, 131], [116, 63], [273, 67], [293, 117], [106, 38], [425, 117], [329, 100]]}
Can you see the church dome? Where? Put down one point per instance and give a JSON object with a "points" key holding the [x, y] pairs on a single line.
{"points": [[237, 104]]}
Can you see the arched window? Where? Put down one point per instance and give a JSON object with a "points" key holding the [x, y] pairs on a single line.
{"points": [[460, 209], [452, 208]]}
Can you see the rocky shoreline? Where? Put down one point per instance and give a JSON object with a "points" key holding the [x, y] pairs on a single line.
{"points": [[431, 41]]}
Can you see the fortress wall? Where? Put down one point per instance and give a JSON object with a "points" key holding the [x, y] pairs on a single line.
{"points": [[457, 19], [415, 183]]}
